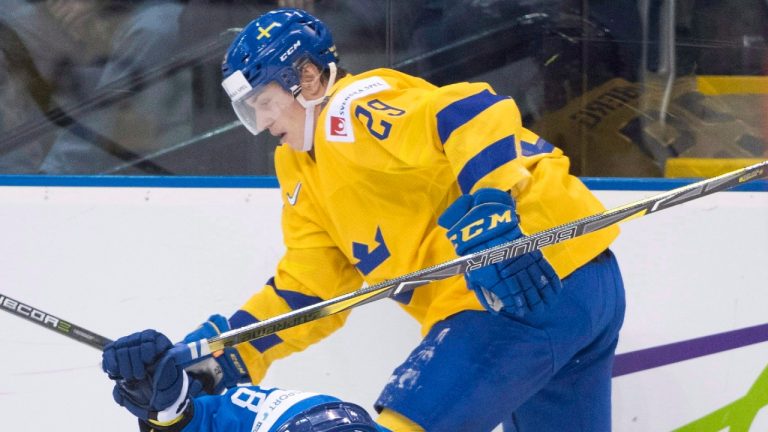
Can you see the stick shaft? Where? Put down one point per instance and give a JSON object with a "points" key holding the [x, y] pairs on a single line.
{"points": [[53, 323], [185, 354], [489, 256]]}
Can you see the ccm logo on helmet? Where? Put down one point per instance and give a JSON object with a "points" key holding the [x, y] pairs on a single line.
{"points": [[290, 51]]}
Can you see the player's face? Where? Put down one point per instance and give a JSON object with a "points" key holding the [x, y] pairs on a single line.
{"points": [[277, 111]]}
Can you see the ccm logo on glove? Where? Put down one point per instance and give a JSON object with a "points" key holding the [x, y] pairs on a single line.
{"points": [[474, 229], [514, 286]]}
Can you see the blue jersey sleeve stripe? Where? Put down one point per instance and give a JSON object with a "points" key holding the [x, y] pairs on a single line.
{"points": [[490, 158], [404, 298], [242, 318], [539, 147], [458, 113], [295, 300]]}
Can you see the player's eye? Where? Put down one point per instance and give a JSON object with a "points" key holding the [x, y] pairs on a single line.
{"points": [[264, 103]]}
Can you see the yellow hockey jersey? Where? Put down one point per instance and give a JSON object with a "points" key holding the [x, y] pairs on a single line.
{"points": [[391, 153]]}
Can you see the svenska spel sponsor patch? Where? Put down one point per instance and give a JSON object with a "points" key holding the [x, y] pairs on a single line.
{"points": [[338, 121]]}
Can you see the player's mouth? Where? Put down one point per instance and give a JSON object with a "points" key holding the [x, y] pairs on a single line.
{"points": [[279, 135]]}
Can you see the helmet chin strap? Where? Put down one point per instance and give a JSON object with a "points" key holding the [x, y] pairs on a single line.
{"points": [[309, 108]]}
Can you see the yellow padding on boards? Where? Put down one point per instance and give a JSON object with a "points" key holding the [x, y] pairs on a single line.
{"points": [[736, 84], [703, 167]]}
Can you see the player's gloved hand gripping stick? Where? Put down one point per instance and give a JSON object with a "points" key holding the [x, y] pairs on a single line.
{"points": [[152, 385], [154, 379], [219, 371], [485, 219], [150, 377]]}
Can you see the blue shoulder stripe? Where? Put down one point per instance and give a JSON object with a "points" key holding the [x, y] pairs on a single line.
{"points": [[242, 318], [490, 158], [458, 113]]}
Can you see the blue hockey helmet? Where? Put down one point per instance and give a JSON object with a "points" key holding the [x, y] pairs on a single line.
{"points": [[331, 417], [272, 48]]}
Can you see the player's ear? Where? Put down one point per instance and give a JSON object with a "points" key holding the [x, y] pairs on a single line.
{"points": [[312, 83]]}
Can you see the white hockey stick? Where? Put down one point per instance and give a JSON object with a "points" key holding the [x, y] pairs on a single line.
{"points": [[189, 353]]}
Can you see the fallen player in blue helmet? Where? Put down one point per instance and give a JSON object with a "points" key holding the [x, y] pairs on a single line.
{"points": [[155, 389]]}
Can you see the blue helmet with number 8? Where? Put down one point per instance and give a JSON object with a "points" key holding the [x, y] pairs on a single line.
{"points": [[272, 48]]}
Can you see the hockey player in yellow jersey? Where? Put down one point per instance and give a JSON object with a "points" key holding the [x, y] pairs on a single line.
{"points": [[383, 174]]}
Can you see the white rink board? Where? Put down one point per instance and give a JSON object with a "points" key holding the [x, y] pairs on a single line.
{"points": [[116, 260]]}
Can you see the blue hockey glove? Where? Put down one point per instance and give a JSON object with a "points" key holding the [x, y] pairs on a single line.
{"points": [[514, 287], [147, 382], [224, 369]]}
